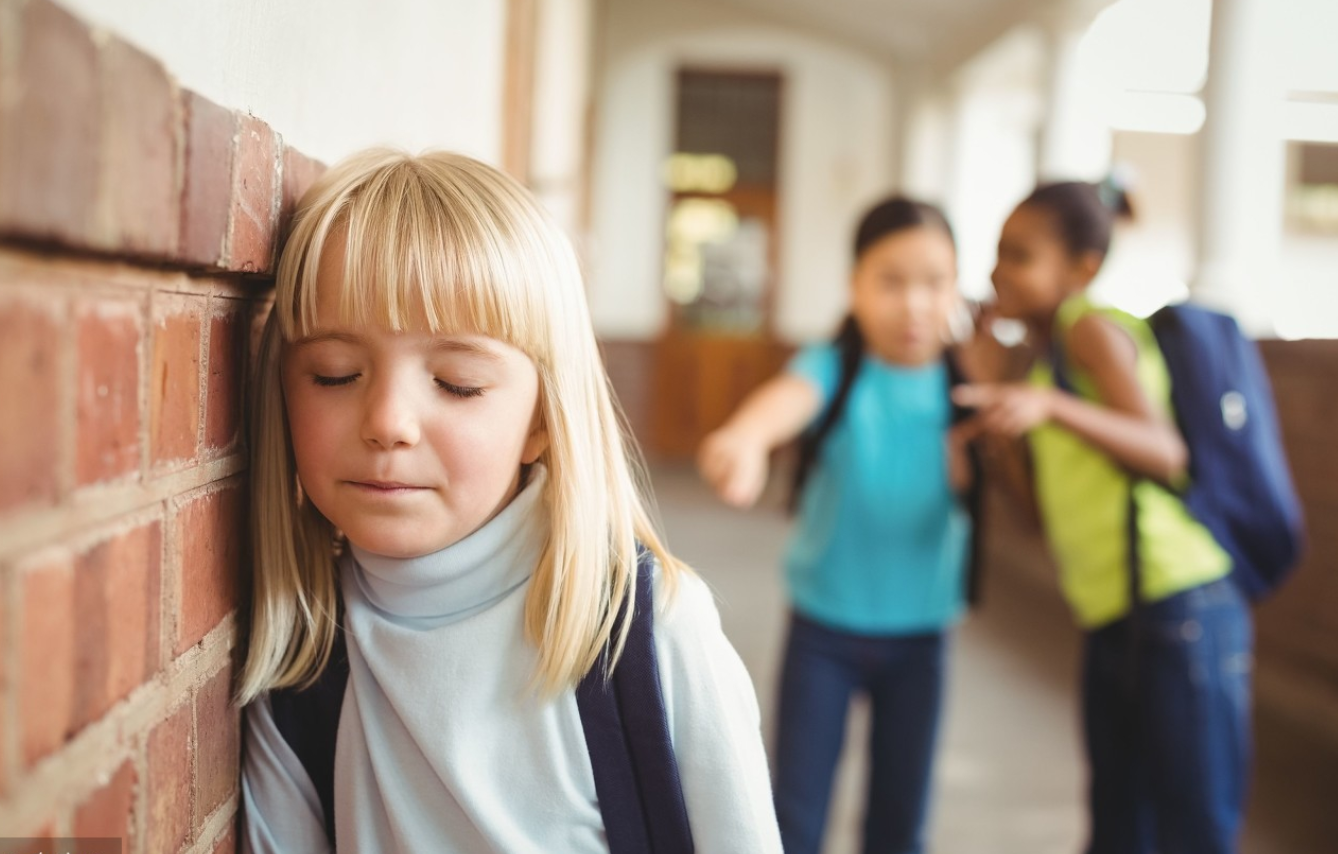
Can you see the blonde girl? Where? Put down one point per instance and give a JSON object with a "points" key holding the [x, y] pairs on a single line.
{"points": [[445, 506]]}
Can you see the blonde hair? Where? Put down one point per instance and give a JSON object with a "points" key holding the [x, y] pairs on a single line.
{"points": [[448, 242]]}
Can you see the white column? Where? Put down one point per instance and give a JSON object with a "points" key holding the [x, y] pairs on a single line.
{"points": [[929, 143], [562, 84], [1243, 162], [908, 91], [1073, 142]]}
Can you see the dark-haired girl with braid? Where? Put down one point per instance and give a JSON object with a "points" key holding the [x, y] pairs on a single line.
{"points": [[1166, 666], [876, 566]]}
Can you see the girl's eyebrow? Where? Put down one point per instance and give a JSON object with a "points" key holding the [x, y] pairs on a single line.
{"points": [[467, 347], [318, 337], [451, 345]]}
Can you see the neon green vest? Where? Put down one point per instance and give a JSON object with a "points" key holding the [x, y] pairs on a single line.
{"points": [[1083, 497]]}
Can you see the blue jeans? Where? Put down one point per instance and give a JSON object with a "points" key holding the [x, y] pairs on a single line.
{"points": [[903, 676], [1168, 728]]}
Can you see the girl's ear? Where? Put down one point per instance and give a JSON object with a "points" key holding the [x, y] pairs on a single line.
{"points": [[537, 440], [1086, 266]]}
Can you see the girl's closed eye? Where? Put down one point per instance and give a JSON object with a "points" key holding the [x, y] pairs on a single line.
{"points": [[459, 390], [330, 381]]}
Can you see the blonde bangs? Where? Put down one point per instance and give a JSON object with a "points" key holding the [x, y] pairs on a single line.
{"points": [[427, 246]]}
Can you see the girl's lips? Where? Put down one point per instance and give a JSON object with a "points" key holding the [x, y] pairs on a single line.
{"points": [[385, 485]]}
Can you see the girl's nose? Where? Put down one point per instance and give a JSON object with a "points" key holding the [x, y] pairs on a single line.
{"points": [[390, 417], [918, 302]]}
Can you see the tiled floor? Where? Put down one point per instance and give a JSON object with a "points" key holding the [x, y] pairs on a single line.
{"points": [[1009, 779]]}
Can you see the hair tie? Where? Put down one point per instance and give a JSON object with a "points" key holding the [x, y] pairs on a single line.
{"points": [[1113, 190]]}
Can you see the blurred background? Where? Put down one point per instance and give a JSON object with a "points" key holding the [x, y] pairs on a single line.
{"points": [[709, 159]]}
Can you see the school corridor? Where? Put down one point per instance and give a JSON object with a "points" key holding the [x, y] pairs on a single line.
{"points": [[709, 160], [1009, 775]]}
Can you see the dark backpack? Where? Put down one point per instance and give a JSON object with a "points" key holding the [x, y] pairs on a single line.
{"points": [[1240, 484], [626, 732]]}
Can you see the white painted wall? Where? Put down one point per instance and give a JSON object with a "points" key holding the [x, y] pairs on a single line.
{"points": [[836, 151], [995, 110], [333, 76]]}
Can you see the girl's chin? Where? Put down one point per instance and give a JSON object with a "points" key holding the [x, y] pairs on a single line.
{"points": [[911, 355]]}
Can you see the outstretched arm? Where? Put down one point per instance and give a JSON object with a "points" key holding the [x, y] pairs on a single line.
{"points": [[733, 459], [1124, 425]]}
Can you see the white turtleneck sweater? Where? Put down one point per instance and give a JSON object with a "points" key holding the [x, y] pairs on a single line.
{"points": [[444, 747]]}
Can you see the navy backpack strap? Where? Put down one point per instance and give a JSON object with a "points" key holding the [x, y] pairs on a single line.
{"points": [[626, 730], [627, 734], [1134, 556], [973, 498], [308, 720]]}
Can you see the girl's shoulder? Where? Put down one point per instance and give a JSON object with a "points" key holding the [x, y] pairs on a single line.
{"points": [[684, 603], [1081, 306], [819, 363], [1084, 325]]}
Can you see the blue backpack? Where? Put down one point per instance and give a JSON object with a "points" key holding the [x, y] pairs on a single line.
{"points": [[1240, 484]]}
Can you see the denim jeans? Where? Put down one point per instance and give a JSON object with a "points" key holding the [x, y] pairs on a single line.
{"points": [[1168, 727], [823, 669]]}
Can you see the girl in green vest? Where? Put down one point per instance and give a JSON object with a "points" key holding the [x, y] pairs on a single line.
{"points": [[1165, 685]]}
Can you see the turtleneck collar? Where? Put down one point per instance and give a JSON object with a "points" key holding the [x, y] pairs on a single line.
{"points": [[467, 576]]}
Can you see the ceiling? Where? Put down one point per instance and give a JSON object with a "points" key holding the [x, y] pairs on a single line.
{"points": [[936, 34]]}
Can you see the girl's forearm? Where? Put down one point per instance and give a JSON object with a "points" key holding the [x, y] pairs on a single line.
{"points": [[777, 411], [1147, 447]]}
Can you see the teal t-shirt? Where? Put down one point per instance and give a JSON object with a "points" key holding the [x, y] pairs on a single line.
{"points": [[880, 543]]}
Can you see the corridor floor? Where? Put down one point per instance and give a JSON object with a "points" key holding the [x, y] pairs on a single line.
{"points": [[1009, 778]]}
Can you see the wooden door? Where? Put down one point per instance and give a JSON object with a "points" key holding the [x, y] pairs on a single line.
{"points": [[720, 270]]}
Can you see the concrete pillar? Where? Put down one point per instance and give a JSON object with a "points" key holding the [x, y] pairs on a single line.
{"points": [[564, 46], [1073, 141], [1243, 163]]}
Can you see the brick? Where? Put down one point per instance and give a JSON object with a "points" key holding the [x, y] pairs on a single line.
{"points": [[117, 591], [140, 191], [210, 532], [207, 188], [174, 388], [109, 811], [29, 372], [223, 401], [50, 134], [252, 221], [299, 173], [169, 783], [47, 658], [107, 401], [218, 752]]}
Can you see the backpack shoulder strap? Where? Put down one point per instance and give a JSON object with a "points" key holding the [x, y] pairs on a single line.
{"points": [[308, 720], [626, 730], [849, 344], [627, 735], [972, 500]]}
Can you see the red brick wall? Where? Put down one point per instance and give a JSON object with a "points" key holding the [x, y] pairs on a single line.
{"points": [[138, 225]]}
